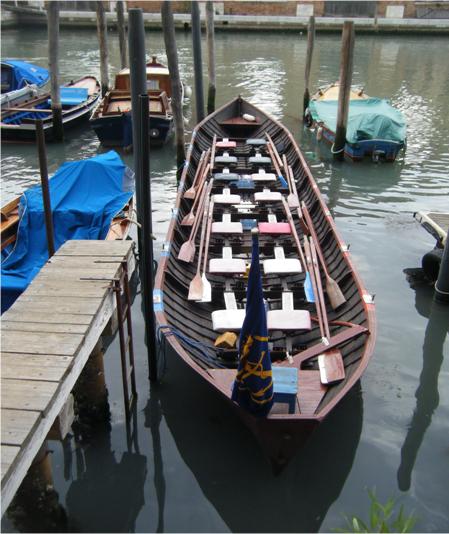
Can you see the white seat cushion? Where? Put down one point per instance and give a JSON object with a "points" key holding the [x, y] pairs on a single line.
{"points": [[227, 265], [227, 320], [284, 266], [226, 199], [263, 177], [227, 228], [267, 196], [288, 320]]}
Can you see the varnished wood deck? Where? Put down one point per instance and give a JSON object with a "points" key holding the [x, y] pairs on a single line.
{"points": [[46, 339], [436, 224]]}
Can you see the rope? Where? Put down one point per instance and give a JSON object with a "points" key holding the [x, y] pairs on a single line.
{"points": [[337, 151], [198, 346]]}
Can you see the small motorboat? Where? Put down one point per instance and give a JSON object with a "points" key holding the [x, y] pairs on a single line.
{"points": [[374, 127], [245, 173], [78, 99]]}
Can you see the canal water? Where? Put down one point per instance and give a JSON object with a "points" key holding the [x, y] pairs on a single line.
{"points": [[193, 467]]}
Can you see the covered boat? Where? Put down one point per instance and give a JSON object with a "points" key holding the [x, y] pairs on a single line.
{"points": [[78, 99], [374, 127], [112, 120], [245, 172], [90, 199], [18, 74]]}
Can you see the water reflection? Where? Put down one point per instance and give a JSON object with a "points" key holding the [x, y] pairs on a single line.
{"points": [[427, 396], [230, 468]]}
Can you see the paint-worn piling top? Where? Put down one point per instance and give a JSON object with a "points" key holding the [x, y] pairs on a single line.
{"points": [[46, 339]]}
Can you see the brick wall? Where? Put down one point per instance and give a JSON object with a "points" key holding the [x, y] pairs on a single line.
{"points": [[260, 8], [155, 6]]}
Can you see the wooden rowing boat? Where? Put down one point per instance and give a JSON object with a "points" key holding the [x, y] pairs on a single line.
{"points": [[192, 327]]}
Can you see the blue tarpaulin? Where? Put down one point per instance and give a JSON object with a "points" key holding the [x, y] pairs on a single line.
{"points": [[24, 73], [85, 196]]}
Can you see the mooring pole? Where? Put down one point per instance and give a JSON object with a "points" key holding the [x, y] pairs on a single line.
{"points": [[121, 28], [197, 60], [310, 42], [442, 283], [146, 254], [210, 36], [168, 27], [40, 138], [102, 31], [347, 55], [53, 64]]}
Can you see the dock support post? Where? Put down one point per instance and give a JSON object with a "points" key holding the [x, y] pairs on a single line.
{"points": [[40, 138], [347, 54], [53, 60], [102, 30], [197, 60], [146, 254], [121, 28], [442, 283], [309, 54], [168, 27], [210, 36]]}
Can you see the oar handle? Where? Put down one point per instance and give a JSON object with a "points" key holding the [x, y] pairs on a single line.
{"points": [[273, 159], [203, 225], [294, 232], [314, 286], [292, 180], [275, 151], [203, 181], [197, 218], [287, 173], [312, 232], [209, 225], [320, 289], [212, 154]]}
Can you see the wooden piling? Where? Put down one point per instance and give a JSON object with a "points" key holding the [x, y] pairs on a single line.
{"points": [[40, 138], [346, 65], [102, 30], [210, 36], [197, 60], [168, 27], [53, 60], [121, 28], [309, 54]]}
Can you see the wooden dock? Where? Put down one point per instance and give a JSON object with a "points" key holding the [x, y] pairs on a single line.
{"points": [[46, 339], [435, 223]]}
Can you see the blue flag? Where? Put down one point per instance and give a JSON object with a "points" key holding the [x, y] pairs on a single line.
{"points": [[253, 386]]}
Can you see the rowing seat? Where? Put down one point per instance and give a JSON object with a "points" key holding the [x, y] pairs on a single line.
{"points": [[258, 159], [226, 159], [280, 264], [225, 143], [248, 224], [226, 176], [255, 141], [285, 386], [225, 226], [243, 184], [229, 319], [263, 176], [226, 197], [268, 196], [227, 264], [288, 318], [272, 227]]}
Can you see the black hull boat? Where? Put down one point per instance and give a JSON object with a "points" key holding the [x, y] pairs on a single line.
{"points": [[244, 170]]}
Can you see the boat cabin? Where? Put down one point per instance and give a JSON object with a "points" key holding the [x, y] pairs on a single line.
{"points": [[158, 78]]}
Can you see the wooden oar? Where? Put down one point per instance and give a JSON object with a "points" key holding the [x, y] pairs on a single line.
{"points": [[292, 199], [212, 154], [191, 192], [331, 365], [276, 166], [333, 290], [308, 290], [309, 261], [190, 217], [275, 151], [196, 285], [187, 251], [207, 288]]}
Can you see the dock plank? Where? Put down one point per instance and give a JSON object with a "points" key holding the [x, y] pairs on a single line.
{"points": [[22, 325], [34, 366], [35, 343], [9, 454], [27, 394], [57, 304], [47, 318], [17, 425]]}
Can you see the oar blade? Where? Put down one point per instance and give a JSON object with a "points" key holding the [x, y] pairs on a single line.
{"points": [[331, 366], [188, 220], [207, 290], [187, 252], [196, 288], [190, 193], [308, 289], [334, 293], [293, 201]]}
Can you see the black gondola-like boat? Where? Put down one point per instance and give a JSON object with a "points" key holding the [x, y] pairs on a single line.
{"points": [[192, 327]]}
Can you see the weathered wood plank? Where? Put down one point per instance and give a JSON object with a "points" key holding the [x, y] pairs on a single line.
{"points": [[71, 289], [310, 391], [17, 425], [77, 274], [57, 304], [91, 262], [99, 248], [50, 318], [35, 343], [9, 454], [27, 326], [34, 366], [35, 395]]}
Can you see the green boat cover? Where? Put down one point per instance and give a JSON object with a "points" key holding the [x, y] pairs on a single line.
{"points": [[370, 118]]}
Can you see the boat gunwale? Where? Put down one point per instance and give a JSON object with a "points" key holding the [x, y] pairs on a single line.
{"points": [[368, 307]]}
